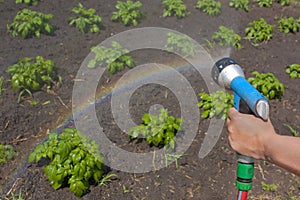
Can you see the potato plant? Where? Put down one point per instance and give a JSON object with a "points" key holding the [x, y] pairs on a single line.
{"points": [[115, 58], [293, 70], [29, 23], [267, 84], [6, 153], [180, 43], [75, 161], [240, 4], [128, 12], [227, 37], [29, 76], [259, 31], [158, 130], [86, 20], [215, 104], [289, 25], [211, 7], [28, 2], [264, 3], [284, 2], [174, 7]]}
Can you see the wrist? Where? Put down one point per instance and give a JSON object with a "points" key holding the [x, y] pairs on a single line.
{"points": [[270, 147]]}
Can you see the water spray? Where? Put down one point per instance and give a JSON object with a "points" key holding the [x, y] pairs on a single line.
{"points": [[226, 72]]}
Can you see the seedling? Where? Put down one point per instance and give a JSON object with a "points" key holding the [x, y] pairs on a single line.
{"points": [[28, 76], [6, 153], [86, 20], [259, 31], [28, 2], [240, 4], [180, 43], [227, 37], [115, 58], [293, 131], [211, 7], [215, 104], [28, 23], [106, 178], [158, 130], [75, 161], [128, 12], [264, 3], [293, 70], [268, 187], [267, 84], [174, 7], [289, 25], [170, 157]]}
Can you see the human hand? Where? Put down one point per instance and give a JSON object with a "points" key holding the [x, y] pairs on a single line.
{"points": [[248, 135]]}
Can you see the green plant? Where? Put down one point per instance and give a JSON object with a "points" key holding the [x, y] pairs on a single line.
{"points": [[17, 197], [29, 76], [174, 7], [1, 83], [180, 43], [289, 25], [158, 130], [215, 104], [6, 153], [211, 7], [293, 70], [74, 160], [268, 187], [106, 178], [267, 84], [116, 57], [264, 3], [170, 157], [28, 23], [240, 4], [293, 131], [128, 12], [28, 2], [259, 30], [284, 2], [227, 37], [86, 20]]}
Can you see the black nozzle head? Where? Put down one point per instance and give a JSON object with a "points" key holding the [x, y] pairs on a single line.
{"points": [[219, 66]]}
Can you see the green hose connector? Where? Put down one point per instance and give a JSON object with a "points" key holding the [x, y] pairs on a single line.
{"points": [[245, 172]]}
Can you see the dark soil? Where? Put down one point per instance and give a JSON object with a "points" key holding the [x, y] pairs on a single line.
{"points": [[213, 177]]}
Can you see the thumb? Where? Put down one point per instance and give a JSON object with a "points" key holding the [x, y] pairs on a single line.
{"points": [[232, 112]]}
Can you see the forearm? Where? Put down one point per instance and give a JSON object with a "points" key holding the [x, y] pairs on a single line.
{"points": [[284, 152]]}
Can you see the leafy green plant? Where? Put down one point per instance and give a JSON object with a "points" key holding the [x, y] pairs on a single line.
{"points": [[289, 25], [28, 23], [106, 178], [116, 57], [215, 104], [1, 83], [74, 160], [284, 2], [158, 130], [174, 7], [86, 20], [211, 7], [227, 37], [6, 153], [128, 12], [293, 70], [259, 30], [180, 43], [28, 76], [170, 157], [268, 187], [28, 2], [293, 131], [264, 3], [240, 4], [267, 84]]}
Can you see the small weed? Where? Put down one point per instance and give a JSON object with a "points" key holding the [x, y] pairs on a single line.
{"points": [[86, 19], [174, 7], [211, 7], [6, 153], [170, 157], [107, 178], [125, 190], [293, 131], [269, 187]]}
